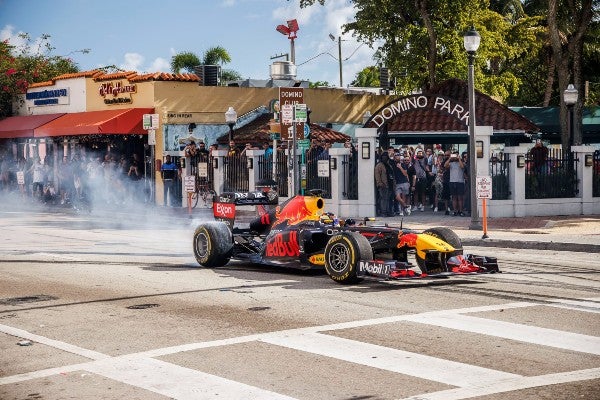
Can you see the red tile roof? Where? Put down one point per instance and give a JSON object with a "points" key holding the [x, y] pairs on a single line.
{"points": [[257, 131], [488, 111], [132, 76]]}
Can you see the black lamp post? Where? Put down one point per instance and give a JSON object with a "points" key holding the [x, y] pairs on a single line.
{"points": [[471, 43], [230, 119], [570, 98]]}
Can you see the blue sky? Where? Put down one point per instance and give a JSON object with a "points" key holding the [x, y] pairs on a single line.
{"points": [[143, 35]]}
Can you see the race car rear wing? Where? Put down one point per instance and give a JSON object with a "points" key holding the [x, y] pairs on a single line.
{"points": [[224, 204]]}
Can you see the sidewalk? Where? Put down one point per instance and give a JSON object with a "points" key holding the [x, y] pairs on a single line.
{"points": [[566, 233]]}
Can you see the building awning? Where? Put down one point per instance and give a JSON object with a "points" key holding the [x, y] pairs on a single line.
{"points": [[107, 122], [23, 126]]}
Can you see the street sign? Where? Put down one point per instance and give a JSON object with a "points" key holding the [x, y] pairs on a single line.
{"points": [[203, 169], [291, 96], [152, 137], [274, 136], [287, 114], [189, 183], [306, 131], [300, 113], [323, 168], [303, 143], [484, 187], [150, 121]]}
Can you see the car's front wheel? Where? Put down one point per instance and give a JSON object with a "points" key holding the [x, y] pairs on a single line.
{"points": [[212, 244], [448, 236], [343, 253]]}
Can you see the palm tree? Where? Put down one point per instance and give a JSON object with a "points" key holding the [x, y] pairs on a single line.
{"points": [[185, 60]]}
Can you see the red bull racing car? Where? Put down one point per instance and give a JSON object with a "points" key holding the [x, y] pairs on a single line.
{"points": [[299, 234]]}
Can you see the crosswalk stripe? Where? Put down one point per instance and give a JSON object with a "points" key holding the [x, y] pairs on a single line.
{"points": [[404, 362], [509, 385], [509, 330], [178, 382]]}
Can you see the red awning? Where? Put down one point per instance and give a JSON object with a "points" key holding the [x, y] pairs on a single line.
{"points": [[106, 122], [23, 126]]}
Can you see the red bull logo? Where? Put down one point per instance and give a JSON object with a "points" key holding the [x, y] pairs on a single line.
{"points": [[283, 244], [301, 208]]}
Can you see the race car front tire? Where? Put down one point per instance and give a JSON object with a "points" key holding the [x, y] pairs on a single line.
{"points": [[448, 236], [212, 244], [343, 253]]}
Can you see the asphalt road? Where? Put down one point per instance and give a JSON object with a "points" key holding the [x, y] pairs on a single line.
{"points": [[114, 306]]}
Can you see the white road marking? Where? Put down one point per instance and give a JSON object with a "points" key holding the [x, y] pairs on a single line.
{"points": [[139, 369], [587, 306], [510, 385], [178, 382], [404, 362], [509, 330], [53, 343]]}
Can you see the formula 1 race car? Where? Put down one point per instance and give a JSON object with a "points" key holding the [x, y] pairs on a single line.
{"points": [[299, 234]]}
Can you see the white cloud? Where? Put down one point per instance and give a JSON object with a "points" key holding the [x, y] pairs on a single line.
{"points": [[133, 62], [160, 65]]}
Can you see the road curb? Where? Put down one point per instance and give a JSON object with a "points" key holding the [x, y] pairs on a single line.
{"points": [[533, 245]]}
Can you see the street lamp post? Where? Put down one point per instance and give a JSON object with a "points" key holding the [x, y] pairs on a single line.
{"points": [[230, 119], [471, 43], [570, 96], [339, 56]]}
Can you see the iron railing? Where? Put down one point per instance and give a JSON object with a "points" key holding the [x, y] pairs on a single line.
{"points": [[499, 171], [313, 180], [235, 172], [554, 177], [350, 176], [265, 171]]}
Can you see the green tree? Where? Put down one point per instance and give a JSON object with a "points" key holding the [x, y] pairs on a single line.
{"points": [[29, 63], [317, 84], [185, 60], [368, 77], [213, 56]]}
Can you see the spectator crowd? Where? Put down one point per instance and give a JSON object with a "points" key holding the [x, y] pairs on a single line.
{"points": [[411, 179]]}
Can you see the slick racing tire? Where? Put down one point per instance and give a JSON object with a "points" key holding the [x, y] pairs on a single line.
{"points": [[212, 244], [343, 252], [448, 236]]}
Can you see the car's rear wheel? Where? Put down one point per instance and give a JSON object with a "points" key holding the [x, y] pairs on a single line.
{"points": [[448, 236], [343, 252], [212, 244]]}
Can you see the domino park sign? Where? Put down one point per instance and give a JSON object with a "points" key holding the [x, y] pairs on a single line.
{"points": [[421, 101]]}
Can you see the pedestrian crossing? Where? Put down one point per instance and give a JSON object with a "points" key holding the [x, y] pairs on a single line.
{"points": [[146, 371]]}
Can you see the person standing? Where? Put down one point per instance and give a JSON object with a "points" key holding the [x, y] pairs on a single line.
{"points": [[169, 173], [401, 177], [457, 182], [539, 156], [420, 179], [384, 180]]}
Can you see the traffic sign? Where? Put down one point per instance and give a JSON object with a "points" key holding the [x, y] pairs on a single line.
{"points": [[287, 113], [150, 121], [303, 143], [484, 187], [189, 183], [300, 113], [274, 136]]}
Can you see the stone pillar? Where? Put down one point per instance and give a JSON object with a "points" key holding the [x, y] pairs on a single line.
{"points": [[218, 177], [253, 173], [517, 179], [585, 176], [367, 145], [337, 204]]}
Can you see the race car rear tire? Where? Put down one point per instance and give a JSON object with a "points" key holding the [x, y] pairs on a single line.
{"points": [[448, 236], [212, 244], [343, 253]]}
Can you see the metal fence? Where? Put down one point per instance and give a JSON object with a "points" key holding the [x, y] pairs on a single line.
{"points": [[499, 171], [265, 171], [350, 176], [313, 180], [554, 177], [235, 172]]}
